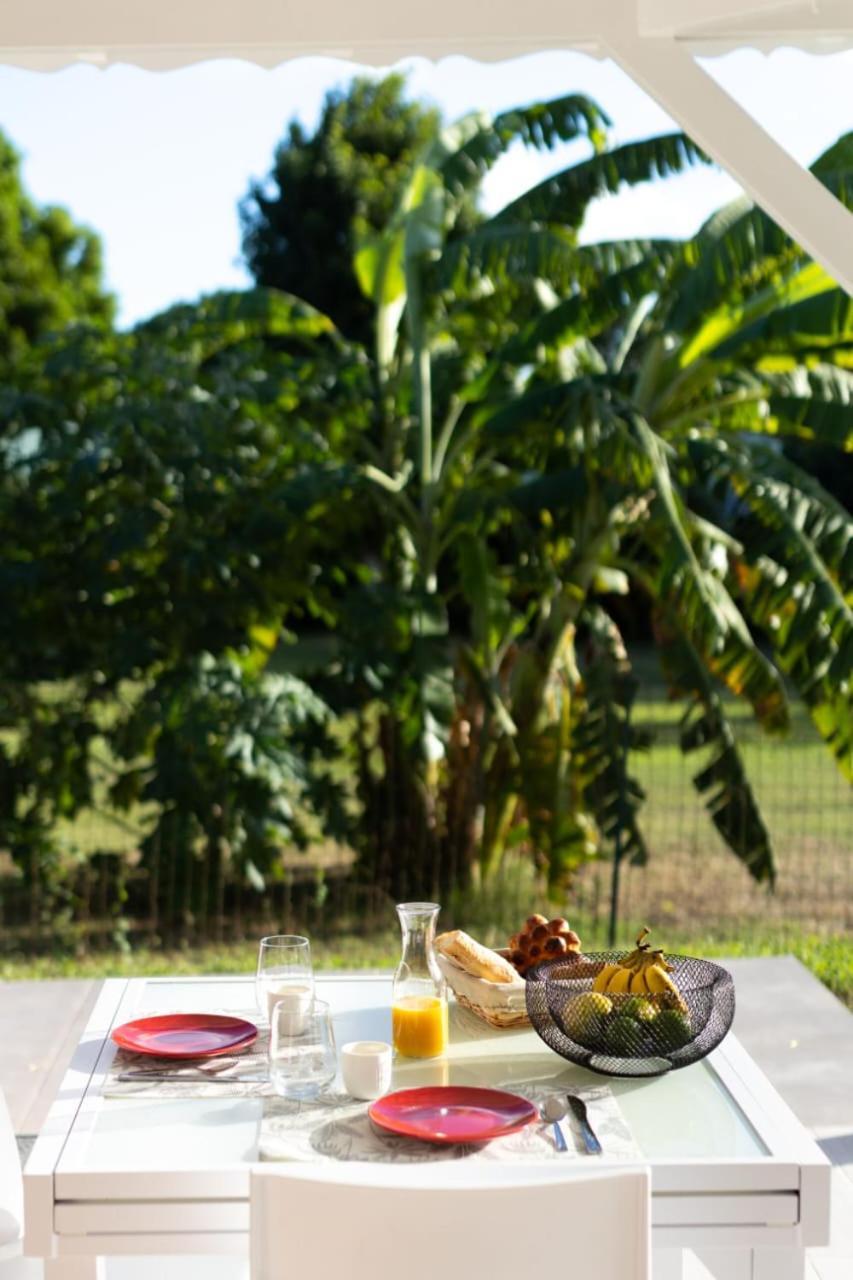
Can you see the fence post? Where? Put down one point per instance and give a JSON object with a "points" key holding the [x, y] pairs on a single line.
{"points": [[617, 838], [614, 887]]}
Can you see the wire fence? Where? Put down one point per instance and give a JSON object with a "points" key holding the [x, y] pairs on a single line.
{"points": [[102, 897], [693, 883]]}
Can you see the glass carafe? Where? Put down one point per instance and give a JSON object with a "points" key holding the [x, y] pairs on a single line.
{"points": [[419, 1002]]}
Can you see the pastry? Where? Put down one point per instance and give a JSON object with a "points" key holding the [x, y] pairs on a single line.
{"points": [[474, 958], [542, 939]]}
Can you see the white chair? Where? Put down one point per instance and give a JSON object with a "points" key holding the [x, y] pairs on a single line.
{"points": [[12, 1265], [11, 1186], [375, 1222]]}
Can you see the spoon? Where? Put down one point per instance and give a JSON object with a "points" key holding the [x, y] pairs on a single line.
{"points": [[553, 1112]]}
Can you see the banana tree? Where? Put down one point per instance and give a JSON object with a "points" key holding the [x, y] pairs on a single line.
{"points": [[663, 389], [567, 422], [479, 733]]}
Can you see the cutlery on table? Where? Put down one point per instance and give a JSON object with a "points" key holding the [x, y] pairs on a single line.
{"points": [[553, 1112], [139, 1077], [578, 1106]]}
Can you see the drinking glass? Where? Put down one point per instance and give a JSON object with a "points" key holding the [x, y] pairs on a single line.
{"points": [[284, 973], [303, 1060]]}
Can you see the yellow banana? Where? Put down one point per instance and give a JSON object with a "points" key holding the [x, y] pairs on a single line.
{"points": [[602, 979], [660, 983], [639, 954], [639, 985], [619, 982], [656, 979]]}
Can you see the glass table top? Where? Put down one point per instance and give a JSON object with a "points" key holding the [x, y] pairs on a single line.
{"points": [[688, 1113]]}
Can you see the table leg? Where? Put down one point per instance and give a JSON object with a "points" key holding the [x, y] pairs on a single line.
{"points": [[84, 1267], [667, 1264], [779, 1264], [718, 1264]]}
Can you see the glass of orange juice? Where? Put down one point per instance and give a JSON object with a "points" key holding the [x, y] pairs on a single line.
{"points": [[419, 1020]]}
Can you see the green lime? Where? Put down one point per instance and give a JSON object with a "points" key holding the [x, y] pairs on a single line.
{"points": [[638, 1008], [624, 1037], [672, 1029], [584, 1017]]}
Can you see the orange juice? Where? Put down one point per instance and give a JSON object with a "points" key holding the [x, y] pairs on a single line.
{"points": [[419, 1025]]}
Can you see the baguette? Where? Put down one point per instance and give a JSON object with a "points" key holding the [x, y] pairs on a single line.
{"points": [[474, 958]]}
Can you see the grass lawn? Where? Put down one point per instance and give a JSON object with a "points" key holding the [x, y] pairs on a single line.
{"points": [[829, 958], [695, 895]]}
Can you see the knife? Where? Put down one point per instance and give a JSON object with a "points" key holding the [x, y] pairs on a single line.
{"points": [[578, 1108], [139, 1077]]}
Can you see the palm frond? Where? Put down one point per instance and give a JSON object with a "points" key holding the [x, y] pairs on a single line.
{"points": [[589, 312], [731, 324], [464, 159], [823, 320], [814, 402], [605, 737], [521, 251], [838, 158], [223, 319], [563, 198], [794, 576], [740, 247], [733, 253], [722, 781]]}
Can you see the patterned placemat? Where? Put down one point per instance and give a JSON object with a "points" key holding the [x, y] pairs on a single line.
{"points": [[199, 1078], [333, 1128]]}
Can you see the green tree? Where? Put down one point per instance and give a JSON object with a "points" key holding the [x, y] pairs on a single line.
{"points": [[325, 187], [50, 269], [616, 429], [156, 520], [431, 529]]}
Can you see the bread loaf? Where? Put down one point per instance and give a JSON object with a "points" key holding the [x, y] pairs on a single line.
{"points": [[474, 958]]}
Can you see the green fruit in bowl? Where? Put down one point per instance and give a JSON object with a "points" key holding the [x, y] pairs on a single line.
{"points": [[672, 1029], [624, 1037], [584, 1016], [638, 1008]]}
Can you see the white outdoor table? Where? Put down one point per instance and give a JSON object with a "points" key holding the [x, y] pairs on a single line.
{"points": [[739, 1187]]}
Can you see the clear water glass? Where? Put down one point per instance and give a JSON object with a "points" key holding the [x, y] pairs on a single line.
{"points": [[303, 1059], [284, 971]]}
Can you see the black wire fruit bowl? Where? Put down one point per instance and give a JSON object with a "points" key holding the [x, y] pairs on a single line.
{"points": [[630, 1033]]}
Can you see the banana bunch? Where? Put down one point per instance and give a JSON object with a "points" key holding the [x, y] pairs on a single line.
{"points": [[643, 972]]}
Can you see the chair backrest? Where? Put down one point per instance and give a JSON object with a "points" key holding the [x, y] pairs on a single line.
{"points": [[456, 1221], [11, 1182]]}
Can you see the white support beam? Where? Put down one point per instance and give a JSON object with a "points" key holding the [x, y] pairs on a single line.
{"points": [[787, 192]]}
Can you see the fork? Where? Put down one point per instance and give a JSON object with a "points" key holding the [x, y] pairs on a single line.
{"points": [[578, 1108]]}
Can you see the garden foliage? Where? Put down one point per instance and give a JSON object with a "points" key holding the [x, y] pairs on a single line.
{"points": [[294, 582]]}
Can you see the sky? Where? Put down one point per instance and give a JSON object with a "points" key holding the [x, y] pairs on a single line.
{"points": [[157, 162]]}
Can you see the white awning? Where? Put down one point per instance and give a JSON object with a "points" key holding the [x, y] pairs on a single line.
{"points": [[159, 34], [655, 41]]}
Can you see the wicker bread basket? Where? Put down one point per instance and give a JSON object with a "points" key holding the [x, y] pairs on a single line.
{"points": [[501, 1004]]}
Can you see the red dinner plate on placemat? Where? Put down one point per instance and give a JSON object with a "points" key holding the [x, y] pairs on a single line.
{"points": [[185, 1035], [452, 1113]]}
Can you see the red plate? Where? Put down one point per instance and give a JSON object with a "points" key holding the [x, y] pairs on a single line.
{"points": [[452, 1113], [185, 1035]]}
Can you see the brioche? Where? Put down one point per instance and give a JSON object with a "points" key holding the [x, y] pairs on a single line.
{"points": [[474, 958], [542, 939]]}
